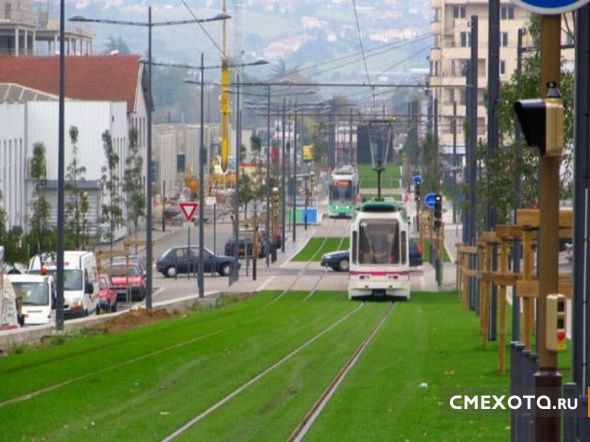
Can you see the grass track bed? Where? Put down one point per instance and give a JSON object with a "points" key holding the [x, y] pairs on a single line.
{"points": [[382, 400], [148, 400], [318, 246], [272, 408]]}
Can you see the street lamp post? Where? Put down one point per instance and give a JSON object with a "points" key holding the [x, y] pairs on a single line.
{"points": [[295, 174], [284, 171], [150, 24], [200, 276], [268, 186]]}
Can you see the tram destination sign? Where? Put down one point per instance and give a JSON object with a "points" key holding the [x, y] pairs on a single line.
{"points": [[550, 7]]}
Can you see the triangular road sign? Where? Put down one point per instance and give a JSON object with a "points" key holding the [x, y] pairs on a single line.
{"points": [[188, 209]]}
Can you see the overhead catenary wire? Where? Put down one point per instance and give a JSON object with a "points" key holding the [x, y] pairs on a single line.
{"points": [[211, 39], [360, 37]]}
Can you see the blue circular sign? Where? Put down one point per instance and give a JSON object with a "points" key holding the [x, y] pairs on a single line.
{"points": [[417, 179], [550, 7], [430, 200]]}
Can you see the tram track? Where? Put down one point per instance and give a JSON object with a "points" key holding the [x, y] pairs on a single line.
{"points": [[87, 375], [302, 272], [192, 422], [314, 412]]}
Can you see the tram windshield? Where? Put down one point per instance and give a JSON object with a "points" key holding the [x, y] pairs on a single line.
{"points": [[379, 242], [342, 190]]}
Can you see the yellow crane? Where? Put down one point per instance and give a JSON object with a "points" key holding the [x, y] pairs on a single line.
{"points": [[225, 104]]}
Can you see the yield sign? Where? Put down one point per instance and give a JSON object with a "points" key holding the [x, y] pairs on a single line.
{"points": [[188, 209]]}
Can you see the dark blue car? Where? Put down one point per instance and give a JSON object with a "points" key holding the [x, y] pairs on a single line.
{"points": [[340, 260]]}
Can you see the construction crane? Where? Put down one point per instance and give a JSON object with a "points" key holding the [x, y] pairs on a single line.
{"points": [[225, 104]]}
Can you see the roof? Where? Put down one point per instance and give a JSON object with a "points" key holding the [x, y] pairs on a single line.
{"points": [[92, 77], [379, 206]]}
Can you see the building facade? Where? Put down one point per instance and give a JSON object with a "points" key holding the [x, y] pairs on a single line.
{"points": [[451, 53], [23, 125]]}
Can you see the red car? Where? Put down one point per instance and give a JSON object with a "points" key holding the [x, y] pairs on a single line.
{"points": [[107, 297], [127, 278]]}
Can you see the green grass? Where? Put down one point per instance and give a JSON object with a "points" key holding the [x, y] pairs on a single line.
{"points": [[272, 408], [382, 399], [316, 247], [391, 178], [205, 355], [216, 351], [426, 252]]}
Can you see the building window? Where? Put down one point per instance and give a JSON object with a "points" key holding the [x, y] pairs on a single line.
{"points": [[459, 12], [465, 39], [8, 11], [436, 15], [502, 67], [504, 39], [507, 12], [180, 162]]}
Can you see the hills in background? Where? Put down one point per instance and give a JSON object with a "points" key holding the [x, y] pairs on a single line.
{"points": [[303, 34]]}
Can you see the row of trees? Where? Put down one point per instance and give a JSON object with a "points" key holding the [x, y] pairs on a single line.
{"points": [[42, 236], [513, 161]]}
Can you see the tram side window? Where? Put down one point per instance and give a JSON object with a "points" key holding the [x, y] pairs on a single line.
{"points": [[354, 246], [404, 251], [379, 242]]}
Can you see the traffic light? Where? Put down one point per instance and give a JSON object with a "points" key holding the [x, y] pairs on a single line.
{"points": [[556, 323], [541, 121], [417, 192], [437, 211]]}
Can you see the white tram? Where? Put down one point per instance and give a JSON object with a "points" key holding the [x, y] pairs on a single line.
{"points": [[379, 256]]}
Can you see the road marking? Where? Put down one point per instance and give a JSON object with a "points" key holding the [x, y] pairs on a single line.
{"points": [[256, 378]]}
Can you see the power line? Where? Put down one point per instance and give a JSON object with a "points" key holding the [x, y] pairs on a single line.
{"points": [[211, 39], [358, 30]]}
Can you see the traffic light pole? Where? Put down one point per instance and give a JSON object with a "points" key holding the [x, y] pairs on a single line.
{"points": [[547, 378]]}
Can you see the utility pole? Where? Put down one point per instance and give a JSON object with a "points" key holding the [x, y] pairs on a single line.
{"points": [[283, 177], [472, 166], [267, 235], [517, 189], [547, 378], [493, 95], [581, 252], [455, 202], [350, 148], [295, 174]]}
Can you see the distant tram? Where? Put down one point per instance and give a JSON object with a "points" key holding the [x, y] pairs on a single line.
{"points": [[343, 192], [379, 260]]}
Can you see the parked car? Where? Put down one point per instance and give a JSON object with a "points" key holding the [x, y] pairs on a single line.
{"points": [[183, 259], [339, 260], [106, 294], [133, 259], [127, 278], [415, 253], [245, 244], [80, 279]]}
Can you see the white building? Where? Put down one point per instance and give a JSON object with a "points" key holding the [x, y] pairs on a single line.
{"points": [[23, 125]]}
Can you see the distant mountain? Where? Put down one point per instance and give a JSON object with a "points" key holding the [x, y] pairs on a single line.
{"points": [[305, 34]]}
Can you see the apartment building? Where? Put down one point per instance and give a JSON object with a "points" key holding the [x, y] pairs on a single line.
{"points": [[451, 53]]}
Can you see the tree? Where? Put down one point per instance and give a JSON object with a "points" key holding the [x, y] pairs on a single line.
{"points": [[116, 44], [112, 213], [514, 158], [133, 185], [256, 144], [41, 237], [78, 206]]}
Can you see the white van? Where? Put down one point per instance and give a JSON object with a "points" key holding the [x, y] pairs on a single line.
{"points": [[37, 294], [80, 280]]}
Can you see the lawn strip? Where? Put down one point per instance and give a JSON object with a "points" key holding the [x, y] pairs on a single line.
{"points": [[272, 408], [429, 347], [317, 247], [38, 368], [148, 400]]}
